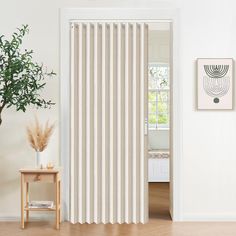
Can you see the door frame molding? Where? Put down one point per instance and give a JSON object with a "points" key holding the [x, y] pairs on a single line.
{"points": [[68, 15]]}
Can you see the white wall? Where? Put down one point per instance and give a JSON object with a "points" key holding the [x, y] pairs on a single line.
{"points": [[206, 29], [158, 139], [159, 45]]}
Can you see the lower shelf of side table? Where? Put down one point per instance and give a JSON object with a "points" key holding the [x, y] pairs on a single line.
{"points": [[40, 209]]}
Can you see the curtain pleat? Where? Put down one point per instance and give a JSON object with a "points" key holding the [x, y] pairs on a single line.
{"points": [[108, 114]]}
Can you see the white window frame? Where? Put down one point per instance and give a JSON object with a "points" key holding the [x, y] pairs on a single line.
{"points": [[160, 126]]}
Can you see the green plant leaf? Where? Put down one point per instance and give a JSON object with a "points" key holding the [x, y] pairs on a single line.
{"points": [[21, 79]]}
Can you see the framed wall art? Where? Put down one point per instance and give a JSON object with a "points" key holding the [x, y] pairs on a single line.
{"points": [[215, 83]]}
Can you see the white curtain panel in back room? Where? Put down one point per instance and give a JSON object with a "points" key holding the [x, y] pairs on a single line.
{"points": [[108, 122]]}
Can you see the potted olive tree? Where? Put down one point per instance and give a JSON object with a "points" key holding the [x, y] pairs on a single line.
{"points": [[21, 79]]}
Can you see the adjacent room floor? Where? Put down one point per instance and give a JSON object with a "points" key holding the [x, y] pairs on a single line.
{"points": [[159, 224], [159, 201]]}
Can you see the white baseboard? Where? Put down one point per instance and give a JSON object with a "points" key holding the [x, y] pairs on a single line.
{"points": [[209, 217], [185, 217]]}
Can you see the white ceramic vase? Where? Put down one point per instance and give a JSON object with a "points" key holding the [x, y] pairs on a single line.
{"points": [[38, 160]]}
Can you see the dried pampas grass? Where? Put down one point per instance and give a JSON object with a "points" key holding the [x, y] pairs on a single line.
{"points": [[38, 136]]}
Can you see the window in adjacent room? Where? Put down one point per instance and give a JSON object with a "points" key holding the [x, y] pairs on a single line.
{"points": [[158, 96]]}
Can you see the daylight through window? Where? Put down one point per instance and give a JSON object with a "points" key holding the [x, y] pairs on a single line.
{"points": [[158, 96]]}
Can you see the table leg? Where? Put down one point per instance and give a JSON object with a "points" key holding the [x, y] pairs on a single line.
{"points": [[27, 201], [22, 202], [57, 202]]}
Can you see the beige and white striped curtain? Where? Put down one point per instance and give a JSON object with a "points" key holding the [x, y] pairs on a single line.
{"points": [[108, 122]]}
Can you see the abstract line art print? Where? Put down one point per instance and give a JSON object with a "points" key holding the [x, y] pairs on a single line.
{"points": [[215, 83]]}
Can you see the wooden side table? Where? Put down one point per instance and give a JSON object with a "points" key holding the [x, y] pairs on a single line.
{"points": [[40, 176]]}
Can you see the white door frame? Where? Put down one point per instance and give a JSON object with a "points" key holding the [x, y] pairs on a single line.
{"points": [[150, 15]]}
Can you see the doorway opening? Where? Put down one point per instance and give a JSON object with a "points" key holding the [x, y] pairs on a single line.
{"points": [[71, 196], [159, 116]]}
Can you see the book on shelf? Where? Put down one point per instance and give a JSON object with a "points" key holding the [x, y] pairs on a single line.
{"points": [[41, 204]]}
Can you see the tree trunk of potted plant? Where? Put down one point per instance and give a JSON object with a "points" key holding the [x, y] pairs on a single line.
{"points": [[0, 116]]}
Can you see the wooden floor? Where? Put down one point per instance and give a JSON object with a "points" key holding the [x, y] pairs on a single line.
{"points": [[159, 224]]}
